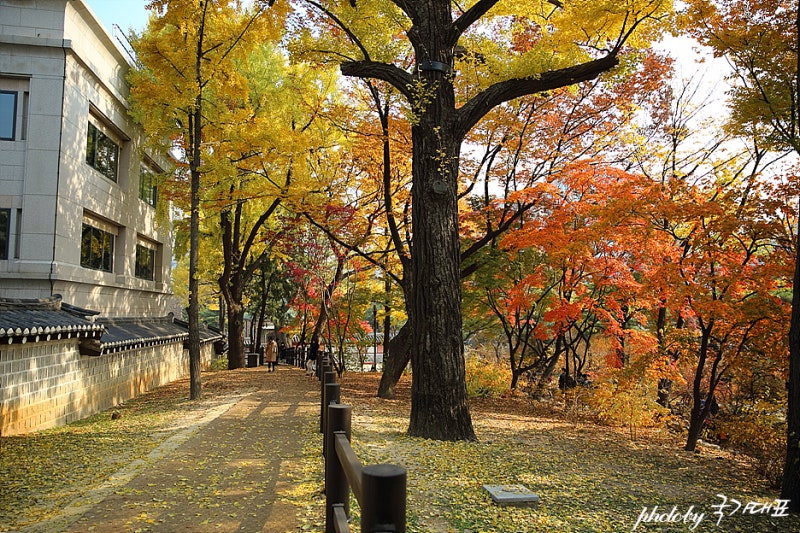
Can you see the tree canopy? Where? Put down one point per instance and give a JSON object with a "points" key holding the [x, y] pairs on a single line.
{"points": [[524, 175]]}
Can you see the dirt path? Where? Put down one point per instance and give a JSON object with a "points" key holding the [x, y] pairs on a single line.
{"points": [[232, 473]]}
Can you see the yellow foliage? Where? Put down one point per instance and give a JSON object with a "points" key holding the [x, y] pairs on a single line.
{"points": [[486, 379], [760, 433], [627, 397]]}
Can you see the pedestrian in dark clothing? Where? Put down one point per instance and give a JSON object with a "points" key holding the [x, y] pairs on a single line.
{"points": [[311, 361]]}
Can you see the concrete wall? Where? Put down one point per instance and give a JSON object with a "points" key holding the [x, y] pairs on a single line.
{"points": [[49, 384], [57, 56]]}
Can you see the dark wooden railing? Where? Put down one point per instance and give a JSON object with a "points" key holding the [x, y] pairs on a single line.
{"points": [[379, 489]]}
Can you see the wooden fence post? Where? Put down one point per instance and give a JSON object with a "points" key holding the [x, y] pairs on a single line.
{"points": [[332, 395], [337, 488], [384, 507], [328, 377]]}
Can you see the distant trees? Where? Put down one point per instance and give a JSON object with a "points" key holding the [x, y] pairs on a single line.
{"points": [[209, 83], [760, 41]]}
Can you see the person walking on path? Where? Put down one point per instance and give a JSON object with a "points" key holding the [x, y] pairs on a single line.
{"points": [[313, 352], [271, 354]]}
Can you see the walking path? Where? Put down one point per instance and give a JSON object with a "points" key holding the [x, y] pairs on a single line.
{"points": [[235, 470]]}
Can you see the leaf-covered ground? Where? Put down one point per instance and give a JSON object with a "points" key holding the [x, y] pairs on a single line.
{"points": [[43, 472], [589, 478]]}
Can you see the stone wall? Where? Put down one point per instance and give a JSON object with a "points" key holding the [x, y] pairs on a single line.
{"points": [[47, 384]]}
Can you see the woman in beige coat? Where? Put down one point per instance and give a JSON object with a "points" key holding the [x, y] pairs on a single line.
{"points": [[271, 354]]}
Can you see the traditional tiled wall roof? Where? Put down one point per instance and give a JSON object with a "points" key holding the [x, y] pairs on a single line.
{"points": [[127, 333], [40, 320]]}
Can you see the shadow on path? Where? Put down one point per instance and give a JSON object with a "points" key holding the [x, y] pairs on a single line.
{"points": [[227, 476]]}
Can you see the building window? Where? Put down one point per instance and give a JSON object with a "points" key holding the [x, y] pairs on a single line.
{"points": [[18, 234], [102, 152], [147, 189], [8, 115], [97, 248], [145, 262], [5, 232]]}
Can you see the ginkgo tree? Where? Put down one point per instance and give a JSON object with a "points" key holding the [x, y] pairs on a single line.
{"points": [[187, 62], [261, 169], [422, 49]]}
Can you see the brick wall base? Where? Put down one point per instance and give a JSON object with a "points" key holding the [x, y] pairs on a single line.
{"points": [[47, 384]]}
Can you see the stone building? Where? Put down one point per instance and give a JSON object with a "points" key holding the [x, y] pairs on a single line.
{"points": [[77, 200], [85, 294]]}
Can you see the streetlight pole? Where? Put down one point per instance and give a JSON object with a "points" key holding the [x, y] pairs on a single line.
{"points": [[374, 339]]}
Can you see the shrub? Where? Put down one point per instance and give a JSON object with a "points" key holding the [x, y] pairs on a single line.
{"points": [[219, 364], [625, 397], [485, 379], [759, 433]]}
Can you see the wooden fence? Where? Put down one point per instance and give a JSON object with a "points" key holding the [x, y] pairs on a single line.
{"points": [[379, 489]]}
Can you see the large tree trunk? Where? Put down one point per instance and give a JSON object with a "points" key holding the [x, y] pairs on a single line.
{"points": [[439, 407], [231, 285], [236, 354], [232, 288]]}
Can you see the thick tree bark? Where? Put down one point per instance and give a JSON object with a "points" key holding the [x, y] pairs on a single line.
{"points": [[236, 354], [395, 362], [231, 286], [439, 406]]}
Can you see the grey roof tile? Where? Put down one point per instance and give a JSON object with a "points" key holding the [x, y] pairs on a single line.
{"points": [[24, 318]]}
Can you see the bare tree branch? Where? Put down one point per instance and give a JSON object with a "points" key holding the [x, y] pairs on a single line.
{"points": [[397, 77], [474, 110]]}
